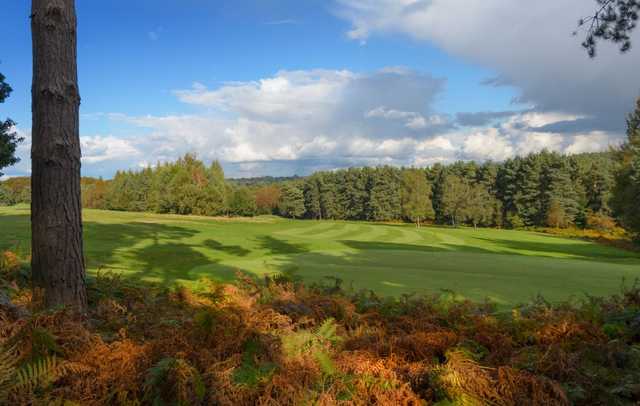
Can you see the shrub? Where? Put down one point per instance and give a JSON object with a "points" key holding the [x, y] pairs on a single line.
{"points": [[601, 222]]}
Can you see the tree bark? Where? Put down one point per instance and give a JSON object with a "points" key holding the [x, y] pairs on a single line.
{"points": [[56, 219]]}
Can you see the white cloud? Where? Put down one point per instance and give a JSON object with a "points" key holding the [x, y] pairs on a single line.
{"points": [[97, 149], [530, 46], [487, 145], [309, 120], [297, 122], [593, 142]]}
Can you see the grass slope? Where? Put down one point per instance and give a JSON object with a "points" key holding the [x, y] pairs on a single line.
{"points": [[505, 266]]}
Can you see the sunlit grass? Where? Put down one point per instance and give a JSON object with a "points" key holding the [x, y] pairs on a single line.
{"points": [[505, 266]]}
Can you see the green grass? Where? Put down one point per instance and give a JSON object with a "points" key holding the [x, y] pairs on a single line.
{"points": [[507, 267]]}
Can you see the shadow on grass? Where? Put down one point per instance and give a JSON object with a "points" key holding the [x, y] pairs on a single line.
{"points": [[577, 250], [168, 254], [235, 250], [279, 247], [391, 246]]}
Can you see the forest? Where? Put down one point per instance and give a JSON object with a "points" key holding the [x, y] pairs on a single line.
{"points": [[544, 189]]}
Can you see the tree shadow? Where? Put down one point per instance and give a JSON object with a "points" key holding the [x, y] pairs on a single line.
{"points": [[275, 246], [137, 250], [502, 277], [390, 246], [579, 249], [235, 250], [155, 252]]}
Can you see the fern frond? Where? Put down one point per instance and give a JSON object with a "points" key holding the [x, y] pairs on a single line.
{"points": [[38, 374], [8, 361], [327, 331]]}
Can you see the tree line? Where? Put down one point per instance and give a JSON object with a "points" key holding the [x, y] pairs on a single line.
{"points": [[541, 189]]}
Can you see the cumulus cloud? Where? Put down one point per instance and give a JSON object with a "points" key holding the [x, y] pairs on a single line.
{"points": [[593, 142], [530, 46], [97, 149], [302, 121], [487, 145]]}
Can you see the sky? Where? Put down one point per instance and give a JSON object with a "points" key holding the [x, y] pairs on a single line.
{"points": [[289, 87]]}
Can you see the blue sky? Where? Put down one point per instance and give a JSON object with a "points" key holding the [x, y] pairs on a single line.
{"points": [[281, 87]]}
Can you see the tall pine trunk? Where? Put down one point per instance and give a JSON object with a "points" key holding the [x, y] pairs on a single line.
{"points": [[56, 222]]}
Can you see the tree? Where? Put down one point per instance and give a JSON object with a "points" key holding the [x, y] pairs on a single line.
{"points": [[328, 197], [215, 191], [8, 139], [56, 215], [626, 192], [480, 207], [292, 201], [6, 199], [383, 202], [613, 20], [311, 192], [416, 196], [455, 195], [557, 216], [267, 198], [242, 202], [598, 182], [352, 194]]}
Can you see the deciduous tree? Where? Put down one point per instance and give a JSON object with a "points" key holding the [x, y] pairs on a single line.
{"points": [[416, 197]]}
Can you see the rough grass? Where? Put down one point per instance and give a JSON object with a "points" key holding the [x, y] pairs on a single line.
{"points": [[507, 267]]}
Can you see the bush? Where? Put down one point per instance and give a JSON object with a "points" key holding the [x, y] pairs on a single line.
{"points": [[600, 222], [514, 221]]}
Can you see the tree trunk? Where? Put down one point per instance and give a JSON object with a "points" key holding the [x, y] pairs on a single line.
{"points": [[56, 222]]}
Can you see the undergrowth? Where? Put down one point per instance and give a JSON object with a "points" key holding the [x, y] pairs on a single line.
{"points": [[278, 342]]}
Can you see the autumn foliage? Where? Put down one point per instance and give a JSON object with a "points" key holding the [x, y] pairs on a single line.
{"points": [[277, 342]]}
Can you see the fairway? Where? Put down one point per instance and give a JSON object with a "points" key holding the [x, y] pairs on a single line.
{"points": [[505, 266]]}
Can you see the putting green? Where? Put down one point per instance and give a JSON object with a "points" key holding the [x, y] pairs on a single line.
{"points": [[505, 266]]}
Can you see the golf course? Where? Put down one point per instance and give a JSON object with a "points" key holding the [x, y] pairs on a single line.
{"points": [[504, 266]]}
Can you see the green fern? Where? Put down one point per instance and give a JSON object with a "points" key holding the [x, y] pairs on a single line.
{"points": [[39, 374], [175, 381], [8, 362], [315, 343], [327, 332], [28, 378], [253, 372]]}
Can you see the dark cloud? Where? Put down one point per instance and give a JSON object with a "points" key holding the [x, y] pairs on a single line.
{"points": [[482, 118], [583, 125]]}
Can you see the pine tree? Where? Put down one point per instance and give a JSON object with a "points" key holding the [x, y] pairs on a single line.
{"points": [[352, 194], [528, 199], [311, 192], [383, 203], [328, 197], [57, 260], [626, 193], [292, 201]]}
